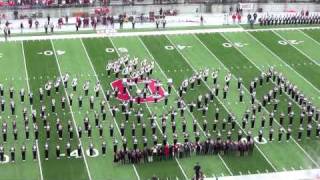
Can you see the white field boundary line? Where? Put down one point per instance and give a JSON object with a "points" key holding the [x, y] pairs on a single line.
{"points": [[31, 107], [298, 49], [104, 95], [169, 32], [287, 174], [287, 65], [183, 172], [72, 114], [174, 89], [301, 148], [273, 167]]}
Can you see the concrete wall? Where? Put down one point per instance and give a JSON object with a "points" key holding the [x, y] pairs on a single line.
{"points": [[182, 8]]}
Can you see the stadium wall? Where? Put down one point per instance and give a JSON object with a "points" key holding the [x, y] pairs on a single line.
{"points": [[181, 8]]}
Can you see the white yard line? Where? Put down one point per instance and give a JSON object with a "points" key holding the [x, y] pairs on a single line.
{"points": [[146, 48], [182, 170], [169, 32], [31, 107], [294, 46], [301, 148], [104, 95], [309, 37], [222, 103], [73, 119]]}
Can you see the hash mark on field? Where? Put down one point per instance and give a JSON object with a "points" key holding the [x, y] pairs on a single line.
{"points": [[292, 168], [284, 169], [240, 172], [267, 170], [258, 171], [249, 172]]}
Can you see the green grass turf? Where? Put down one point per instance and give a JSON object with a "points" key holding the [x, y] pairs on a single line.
{"points": [[243, 61], [294, 58], [39, 66], [261, 56], [209, 59], [17, 79], [163, 60], [136, 48], [307, 44], [77, 64], [206, 51]]}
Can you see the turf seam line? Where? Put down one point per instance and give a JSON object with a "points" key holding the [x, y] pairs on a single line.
{"points": [[31, 107], [183, 172], [104, 96], [299, 50], [276, 121], [222, 104], [71, 112], [174, 89]]}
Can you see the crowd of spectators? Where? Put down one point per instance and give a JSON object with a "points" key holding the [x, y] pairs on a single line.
{"points": [[165, 151]]}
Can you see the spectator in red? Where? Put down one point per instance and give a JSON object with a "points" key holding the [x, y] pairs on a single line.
{"points": [[239, 18], [234, 18], [30, 23], [60, 22]]}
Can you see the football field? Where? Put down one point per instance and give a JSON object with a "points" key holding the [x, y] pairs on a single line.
{"points": [[30, 64]]}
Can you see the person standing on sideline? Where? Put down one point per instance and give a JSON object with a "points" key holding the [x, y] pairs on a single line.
{"points": [[157, 23], [133, 23], [164, 22], [21, 27], [37, 24], [201, 20], [51, 27], [46, 28], [5, 31]]}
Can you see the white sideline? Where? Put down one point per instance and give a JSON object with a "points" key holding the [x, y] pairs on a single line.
{"points": [[292, 175], [145, 33]]}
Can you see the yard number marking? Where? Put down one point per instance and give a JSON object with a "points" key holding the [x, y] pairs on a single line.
{"points": [[235, 44], [6, 159], [180, 47], [74, 153], [263, 140], [50, 52], [120, 49], [292, 42], [95, 153]]}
